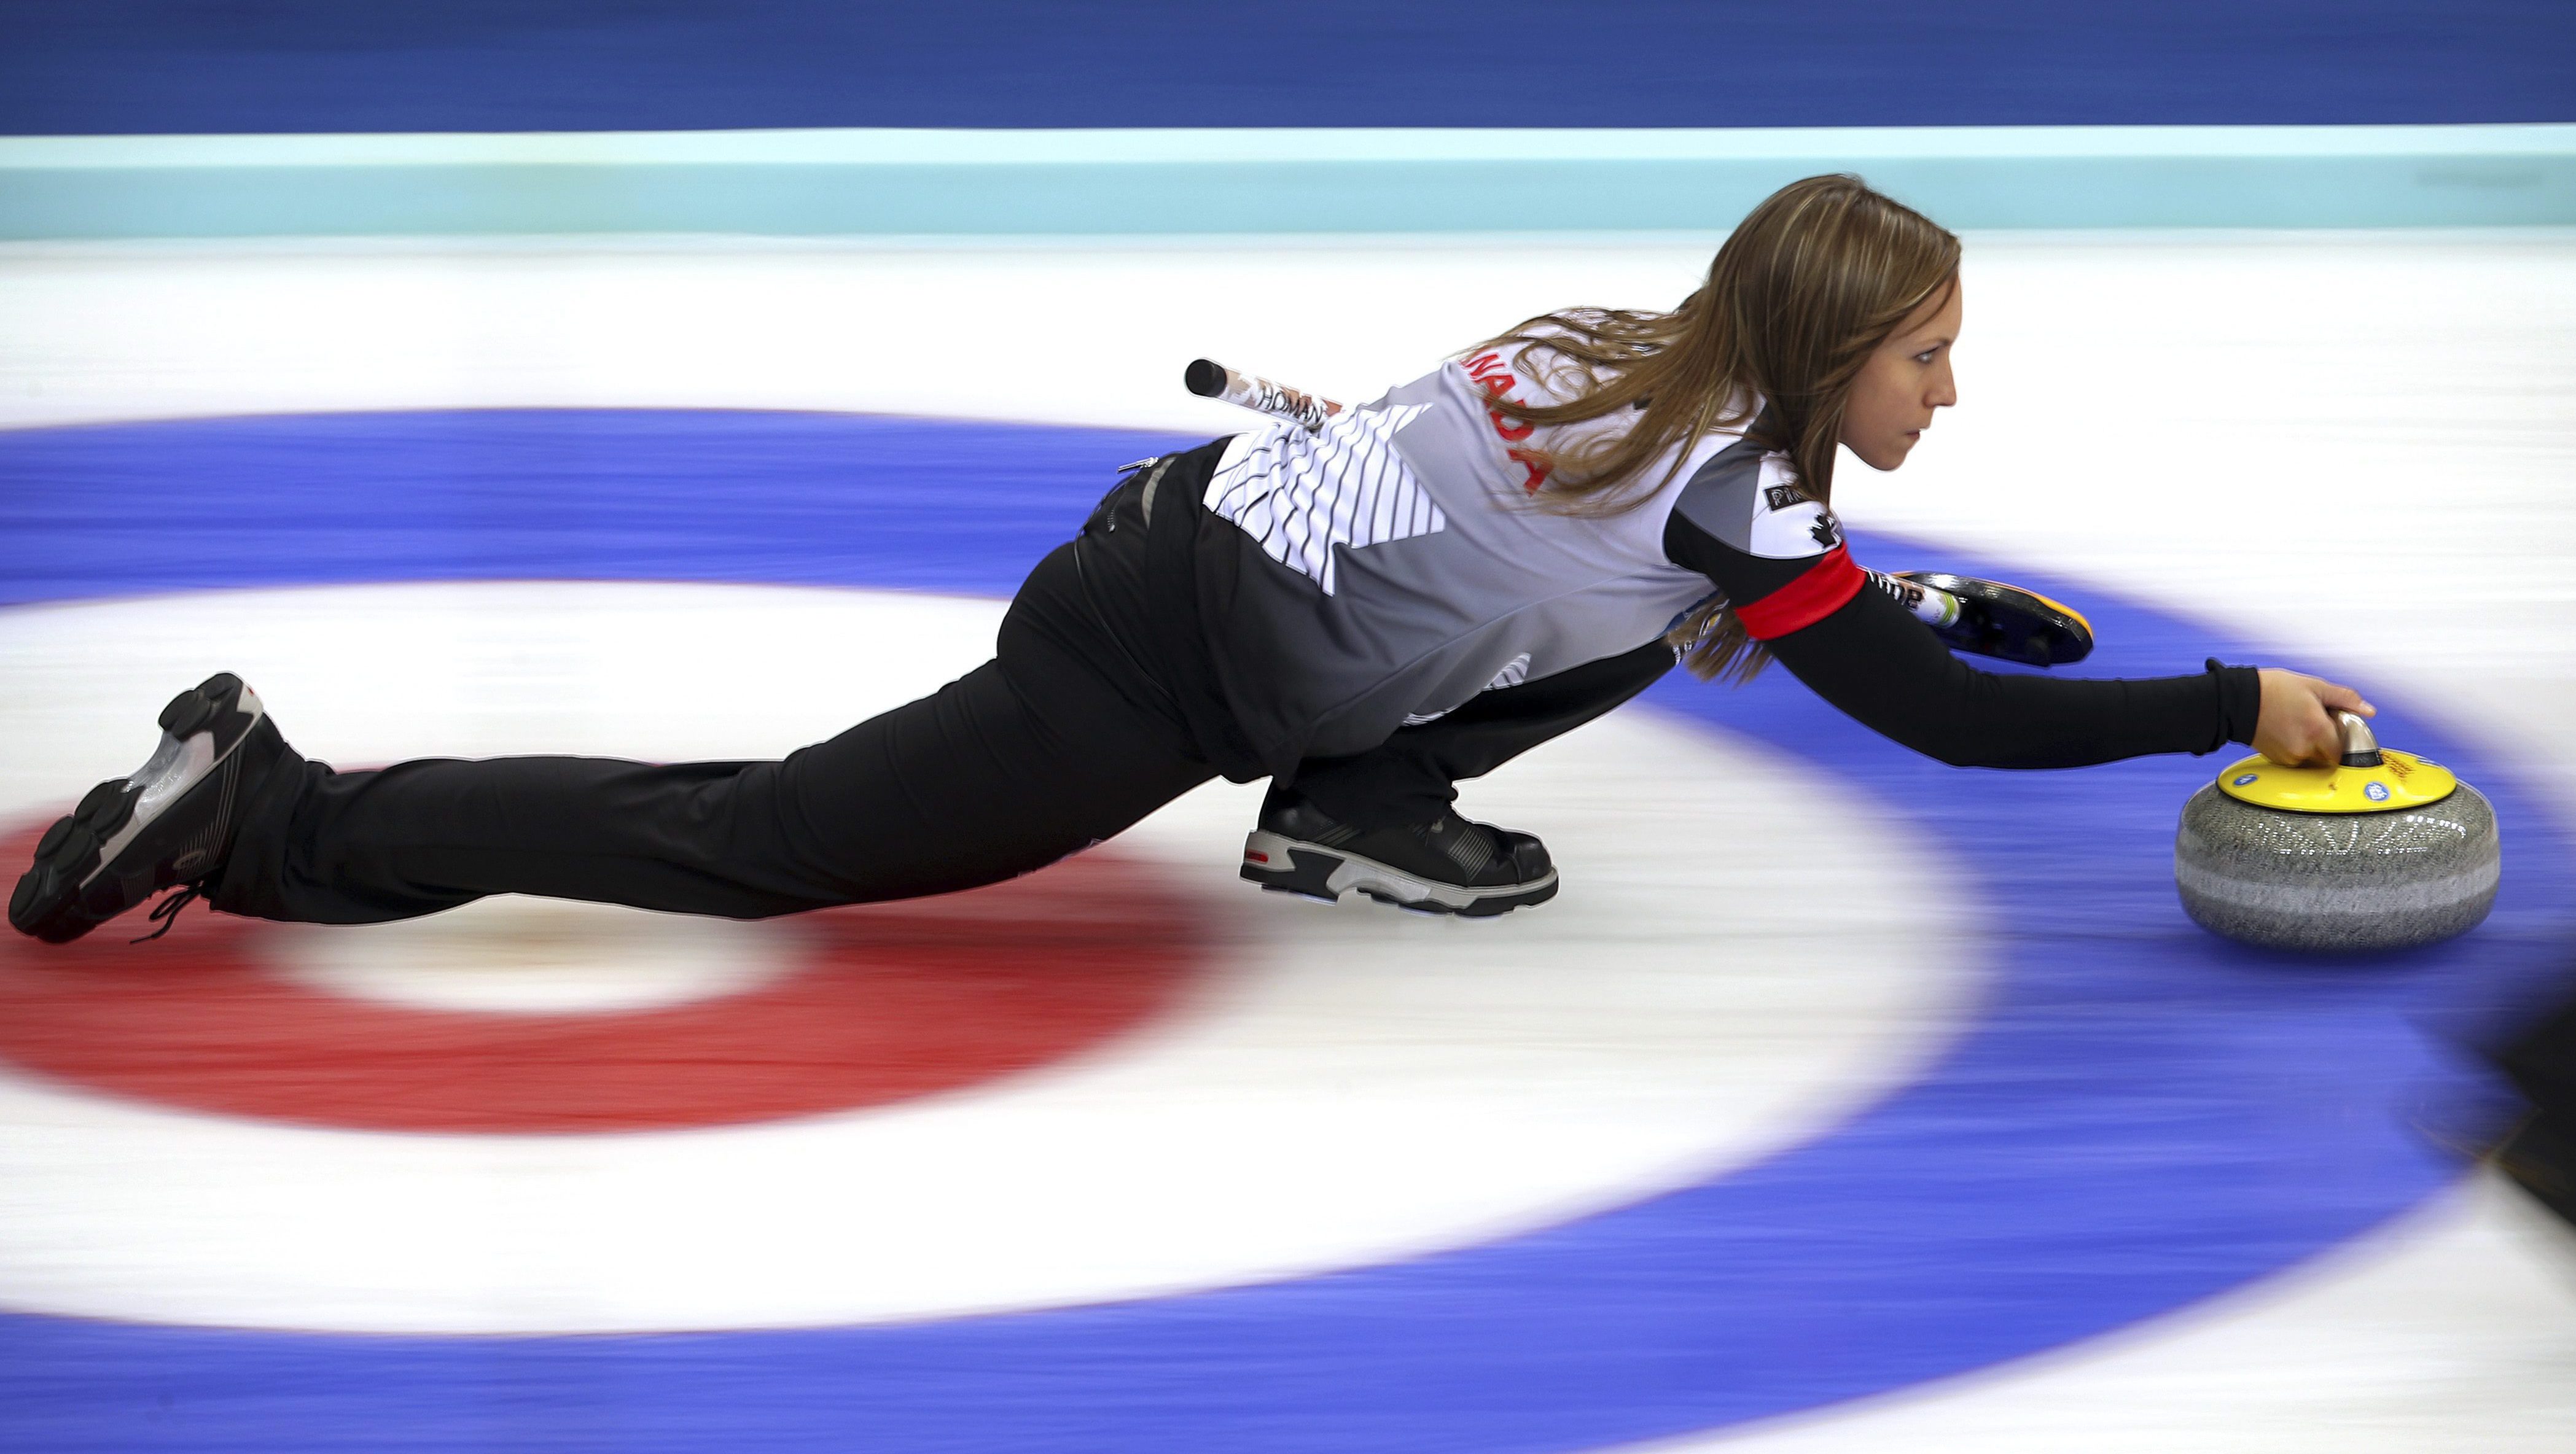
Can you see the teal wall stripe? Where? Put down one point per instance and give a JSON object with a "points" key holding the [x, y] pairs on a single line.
{"points": [[857, 182]]}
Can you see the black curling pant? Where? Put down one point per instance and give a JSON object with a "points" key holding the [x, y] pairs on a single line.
{"points": [[1027, 758], [1065, 738]]}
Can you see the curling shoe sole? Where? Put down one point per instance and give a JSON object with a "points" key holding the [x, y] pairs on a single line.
{"points": [[171, 822], [1291, 866]]}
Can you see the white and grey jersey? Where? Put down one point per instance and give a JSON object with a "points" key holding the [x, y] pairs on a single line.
{"points": [[1389, 567]]}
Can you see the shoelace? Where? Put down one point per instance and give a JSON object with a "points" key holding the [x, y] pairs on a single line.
{"points": [[166, 912]]}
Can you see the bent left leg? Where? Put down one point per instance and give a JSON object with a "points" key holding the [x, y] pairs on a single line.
{"points": [[1411, 778], [1381, 822]]}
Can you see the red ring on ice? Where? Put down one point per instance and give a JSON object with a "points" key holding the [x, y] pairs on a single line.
{"points": [[892, 1001]]}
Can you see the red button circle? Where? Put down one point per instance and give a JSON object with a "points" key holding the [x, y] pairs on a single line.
{"points": [[890, 1002]]}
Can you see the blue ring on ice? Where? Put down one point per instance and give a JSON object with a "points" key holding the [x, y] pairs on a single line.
{"points": [[2140, 1116]]}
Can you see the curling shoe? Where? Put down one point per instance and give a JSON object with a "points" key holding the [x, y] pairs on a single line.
{"points": [[170, 823], [2540, 1157], [1446, 866]]}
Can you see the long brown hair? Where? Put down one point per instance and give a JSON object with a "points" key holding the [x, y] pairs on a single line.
{"points": [[1803, 291]]}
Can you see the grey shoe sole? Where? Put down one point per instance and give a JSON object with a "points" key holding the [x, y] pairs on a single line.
{"points": [[1289, 866]]}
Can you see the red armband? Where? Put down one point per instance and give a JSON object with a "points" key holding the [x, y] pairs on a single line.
{"points": [[1814, 595]]}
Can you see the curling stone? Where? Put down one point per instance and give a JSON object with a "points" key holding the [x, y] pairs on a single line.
{"points": [[2382, 851]]}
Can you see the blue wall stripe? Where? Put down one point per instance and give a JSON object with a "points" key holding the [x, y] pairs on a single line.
{"points": [[77, 67], [1099, 182]]}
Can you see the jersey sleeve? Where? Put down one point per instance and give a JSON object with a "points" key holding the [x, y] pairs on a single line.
{"points": [[1785, 549], [1866, 654]]}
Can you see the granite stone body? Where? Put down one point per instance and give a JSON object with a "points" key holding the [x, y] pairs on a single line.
{"points": [[2337, 882]]}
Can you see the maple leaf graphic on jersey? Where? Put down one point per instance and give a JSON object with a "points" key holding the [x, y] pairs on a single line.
{"points": [[1827, 531], [1301, 494]]}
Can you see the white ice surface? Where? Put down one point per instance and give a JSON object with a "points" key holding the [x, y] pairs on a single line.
{"points": [[1354, 1084], [2356, 447], [520, 956]]}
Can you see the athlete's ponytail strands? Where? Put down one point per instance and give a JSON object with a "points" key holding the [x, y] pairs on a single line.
{"points": [[1803, 291]]}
